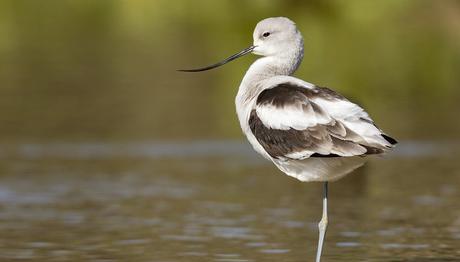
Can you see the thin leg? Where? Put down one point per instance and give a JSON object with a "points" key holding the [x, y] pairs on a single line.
{"points": [[322, 225]]}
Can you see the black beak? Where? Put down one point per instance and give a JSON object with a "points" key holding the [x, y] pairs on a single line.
{"points": [[229, 59]]}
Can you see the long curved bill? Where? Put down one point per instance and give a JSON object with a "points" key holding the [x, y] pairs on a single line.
{"points": [[223, 62]]}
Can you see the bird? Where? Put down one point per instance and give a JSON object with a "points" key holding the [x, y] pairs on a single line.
{"points": [[309, 132]]}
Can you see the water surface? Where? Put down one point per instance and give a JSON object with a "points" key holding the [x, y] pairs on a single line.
{"points": [[221, 202]]}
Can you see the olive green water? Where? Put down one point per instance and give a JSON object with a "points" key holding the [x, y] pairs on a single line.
{"points": [[108, 154], [221, 203]]}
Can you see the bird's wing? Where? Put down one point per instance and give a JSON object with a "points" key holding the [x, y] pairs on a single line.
{"points": [[295, 121]]}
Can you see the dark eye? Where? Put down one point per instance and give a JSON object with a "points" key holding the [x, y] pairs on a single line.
{"points": [[266, 34]]}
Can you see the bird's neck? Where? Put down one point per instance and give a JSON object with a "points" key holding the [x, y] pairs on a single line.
{"points": [[271, 66], [265, 68]]}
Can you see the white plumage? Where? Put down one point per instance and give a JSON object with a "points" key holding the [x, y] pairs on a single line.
{"points": [[337, 126]]}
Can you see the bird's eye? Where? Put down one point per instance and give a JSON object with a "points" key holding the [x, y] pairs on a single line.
{"points": [[266, 34]]}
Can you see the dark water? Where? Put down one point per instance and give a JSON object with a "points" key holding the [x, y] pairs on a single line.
{"points": [[108, 154], [218, 201]]}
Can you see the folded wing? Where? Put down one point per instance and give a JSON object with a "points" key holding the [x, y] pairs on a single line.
{"points": [[292, 121]]}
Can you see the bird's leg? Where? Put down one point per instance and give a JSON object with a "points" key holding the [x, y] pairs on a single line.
{"points": [[322, 225]]}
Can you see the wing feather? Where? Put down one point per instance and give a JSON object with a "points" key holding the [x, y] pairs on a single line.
{"points": [[292, 121]]}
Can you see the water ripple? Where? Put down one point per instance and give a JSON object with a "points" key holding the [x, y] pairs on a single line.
{"points": [[200, 148]]}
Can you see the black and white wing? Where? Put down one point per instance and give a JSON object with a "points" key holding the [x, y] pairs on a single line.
{"points": [[292, 121]]}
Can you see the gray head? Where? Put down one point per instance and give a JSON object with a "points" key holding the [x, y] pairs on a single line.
{"points": [[275, 36]]}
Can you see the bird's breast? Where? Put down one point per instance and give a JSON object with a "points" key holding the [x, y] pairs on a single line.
{"points": [[245, 102]]}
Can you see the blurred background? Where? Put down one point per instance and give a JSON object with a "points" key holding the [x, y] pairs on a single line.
{"points": [[108, 153]]}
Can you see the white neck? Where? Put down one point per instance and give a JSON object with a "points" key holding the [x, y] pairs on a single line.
{"points": [[281, 64], [265, 68]]}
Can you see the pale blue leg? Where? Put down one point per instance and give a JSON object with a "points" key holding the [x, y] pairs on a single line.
{"points": [[322, 225]]}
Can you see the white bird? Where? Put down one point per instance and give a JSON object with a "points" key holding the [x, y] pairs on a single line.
{"points": [[309, 132]]}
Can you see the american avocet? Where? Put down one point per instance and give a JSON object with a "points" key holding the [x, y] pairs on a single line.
{"points": [[309, 132]]}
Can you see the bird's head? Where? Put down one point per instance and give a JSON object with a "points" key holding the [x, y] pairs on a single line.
{"points": [[275, 36]]}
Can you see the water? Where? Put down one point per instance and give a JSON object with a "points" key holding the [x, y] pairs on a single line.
{"points": [[218, 201]]}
